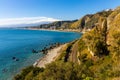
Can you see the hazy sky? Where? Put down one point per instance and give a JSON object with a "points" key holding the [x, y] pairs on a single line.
{"points": [[57, 9]]}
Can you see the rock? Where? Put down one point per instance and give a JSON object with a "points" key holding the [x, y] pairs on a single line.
{"points": [[17, 59], [34, 51], [4, 70], [13, 58]]}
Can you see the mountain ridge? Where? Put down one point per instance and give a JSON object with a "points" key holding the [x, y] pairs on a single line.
{"points": [[83, 24], [95, 56]]}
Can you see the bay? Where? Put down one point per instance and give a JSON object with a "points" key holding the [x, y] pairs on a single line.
{"points": [[19, 43]]}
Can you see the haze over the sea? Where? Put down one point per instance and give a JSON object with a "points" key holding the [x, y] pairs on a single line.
{"points": [[25, 21]]}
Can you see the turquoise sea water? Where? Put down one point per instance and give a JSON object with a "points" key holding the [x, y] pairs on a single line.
{"points": [[19, 43]]}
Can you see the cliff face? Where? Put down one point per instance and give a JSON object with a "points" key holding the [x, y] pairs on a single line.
{"points": [[113, 25], [85, 23], [104, 37], [99, 48], [101, 45], [95, 56]]}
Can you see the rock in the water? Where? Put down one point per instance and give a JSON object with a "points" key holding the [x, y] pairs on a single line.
{"points": [[13, 58], [34, 51], [17, 59]]}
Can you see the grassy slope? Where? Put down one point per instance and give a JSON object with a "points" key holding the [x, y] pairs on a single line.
{"points": [[85, 23], [95, 56]]}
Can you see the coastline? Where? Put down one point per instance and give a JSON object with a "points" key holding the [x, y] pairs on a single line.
{"points": [[58, 30], [49, 57]]}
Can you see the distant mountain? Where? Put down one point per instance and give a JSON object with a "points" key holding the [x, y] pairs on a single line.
{"points": [[26, 21], [56, 25], [24, 25], [85, 23]]}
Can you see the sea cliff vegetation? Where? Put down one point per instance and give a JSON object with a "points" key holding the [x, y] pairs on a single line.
{"points": [[95, 56], [83, 24]]}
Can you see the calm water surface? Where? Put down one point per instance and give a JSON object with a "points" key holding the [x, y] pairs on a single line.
{"points": [[19, 43]]}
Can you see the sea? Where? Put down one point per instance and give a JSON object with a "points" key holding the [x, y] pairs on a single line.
{"points": [[16, 47]]}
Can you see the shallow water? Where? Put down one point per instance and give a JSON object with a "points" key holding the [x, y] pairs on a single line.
{"points": [[19, 43]]}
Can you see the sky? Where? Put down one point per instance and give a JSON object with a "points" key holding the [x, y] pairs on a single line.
{"points": [[54, 9]]}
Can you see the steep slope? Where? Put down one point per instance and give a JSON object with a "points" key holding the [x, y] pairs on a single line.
{"points": [[95, 56], [55, 25], [85, 23]]}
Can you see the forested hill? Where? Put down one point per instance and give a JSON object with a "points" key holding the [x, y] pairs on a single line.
{"points": [[85, 23], [95, 56]]}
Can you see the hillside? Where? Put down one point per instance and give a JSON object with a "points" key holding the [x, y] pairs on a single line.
{"points": [[83, 24], [95, 56]]}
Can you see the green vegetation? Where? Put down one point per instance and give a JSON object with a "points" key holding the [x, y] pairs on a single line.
{"points": [[28, 73], [86, 22], [65, 52], [95, 56]]}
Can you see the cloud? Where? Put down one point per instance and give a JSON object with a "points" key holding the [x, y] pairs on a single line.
{"points": [[25, 20]]}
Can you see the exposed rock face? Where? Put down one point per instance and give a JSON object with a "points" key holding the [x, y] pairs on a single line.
{"points": [[113, 24], [83, 24], [97, 52]]}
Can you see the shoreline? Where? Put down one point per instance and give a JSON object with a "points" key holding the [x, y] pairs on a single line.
{"points": [[58, 30], [49, 57]]}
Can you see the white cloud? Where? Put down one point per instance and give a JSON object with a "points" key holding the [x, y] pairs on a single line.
{"points": [[25, 20]]}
